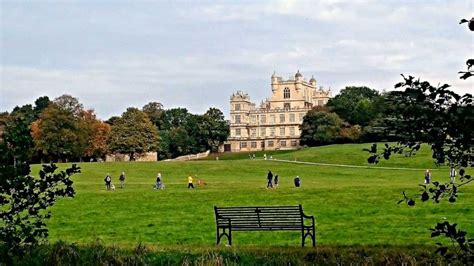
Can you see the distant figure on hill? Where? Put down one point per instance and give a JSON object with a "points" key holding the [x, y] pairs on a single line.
{"points": [[190, 182], [159, 182], [253, 156], [276, 181], [452, 174], [108, 181], [269, 179], [427, 176], [264, 156], [297, 181], [122, 180]]}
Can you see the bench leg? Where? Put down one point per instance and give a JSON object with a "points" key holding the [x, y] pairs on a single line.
{"points": [[308, 232], [228, 234]]}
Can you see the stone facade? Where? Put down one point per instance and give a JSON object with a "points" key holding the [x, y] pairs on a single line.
{"points": [[120, 157], [274, 125]]}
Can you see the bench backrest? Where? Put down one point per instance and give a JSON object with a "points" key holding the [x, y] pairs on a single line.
{"points": [[260, 218]]}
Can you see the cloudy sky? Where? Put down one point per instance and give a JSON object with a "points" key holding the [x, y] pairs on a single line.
{"points": [[194, 54]]}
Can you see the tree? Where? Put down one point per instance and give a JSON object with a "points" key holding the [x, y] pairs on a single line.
{"points": [[59, 135], [154, 110], [96, 133], [24, 199], [357, 105], [133, 133], [177, 130], [444, 120], [320, 128], [213, 130], [70, 104], [40, 104]]}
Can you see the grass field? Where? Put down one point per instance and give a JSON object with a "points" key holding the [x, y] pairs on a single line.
{"points": [[353, 206]]}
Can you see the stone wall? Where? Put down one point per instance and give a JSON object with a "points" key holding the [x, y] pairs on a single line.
{"points": [[145, 157]]}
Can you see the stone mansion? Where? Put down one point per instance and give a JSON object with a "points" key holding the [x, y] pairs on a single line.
{"points": [[274, 125]]}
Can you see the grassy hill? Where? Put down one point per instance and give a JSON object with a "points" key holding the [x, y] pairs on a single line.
{"points": [[353, 206], [349, 154]]}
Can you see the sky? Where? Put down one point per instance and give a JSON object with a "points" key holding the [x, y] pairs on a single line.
{"points": [[195, 54]]}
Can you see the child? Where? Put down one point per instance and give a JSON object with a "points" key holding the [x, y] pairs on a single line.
{"points": [[427, 176], [190, 182], [275, 181], [122, 180]]}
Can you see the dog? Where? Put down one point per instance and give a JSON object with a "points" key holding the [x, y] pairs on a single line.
{"points": [[112, 187], [201, 182]]}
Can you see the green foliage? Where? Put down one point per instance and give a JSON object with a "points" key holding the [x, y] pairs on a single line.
{"points": [[61, 253], [24, 200], [185, 133], [357, 105], [17, 143], [60, 134], [154, 110], [320, 128], [133, 133], [213, 129]]}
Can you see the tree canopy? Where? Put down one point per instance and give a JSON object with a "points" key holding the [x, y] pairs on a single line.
{"points": [[133, 133]]}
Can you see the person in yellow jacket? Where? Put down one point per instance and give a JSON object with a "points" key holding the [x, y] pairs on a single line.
{"points": [[190, 182]]}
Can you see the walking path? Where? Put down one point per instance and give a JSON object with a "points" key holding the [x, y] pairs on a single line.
{"points": [[348, 165]]}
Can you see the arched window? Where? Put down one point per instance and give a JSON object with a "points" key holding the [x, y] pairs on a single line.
{"points": [[286, 93]]}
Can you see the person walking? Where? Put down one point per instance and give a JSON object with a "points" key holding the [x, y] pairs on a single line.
{"points": [[108, 181], [159, 182], [297, 181], [122, 180], [276, 181], [427, 176], [269, 179], [452, 174], [190, 182]]}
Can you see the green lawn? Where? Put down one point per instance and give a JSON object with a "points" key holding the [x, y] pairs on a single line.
{"points": [[353, 206]]}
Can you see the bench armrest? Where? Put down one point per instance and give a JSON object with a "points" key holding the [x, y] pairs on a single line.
{"points": [[309, 217]]}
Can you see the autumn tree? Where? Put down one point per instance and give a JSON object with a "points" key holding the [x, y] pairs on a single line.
{"points": [[97, 133], [133, 133], [59, 135]]}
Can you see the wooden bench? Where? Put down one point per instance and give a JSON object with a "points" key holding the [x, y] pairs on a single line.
{"points": [[264, 218]]}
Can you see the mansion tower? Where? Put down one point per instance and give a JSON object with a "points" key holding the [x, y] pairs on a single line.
{"points": [[275, 124]]}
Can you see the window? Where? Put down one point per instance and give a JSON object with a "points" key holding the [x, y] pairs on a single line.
{"points": [[243, 144], [262, 132], [301, 117], [287, 106], [272, 132], [270, 143], [237, 119], [253, 144], [293, 143], [252, 119], [237, 107], [253, 132], [320, 102], [283, 143], [272, 119], [292, 131], [237, 132], [292, 117], [282, 131], [286, 93], [263, 119], [282, 118]]}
